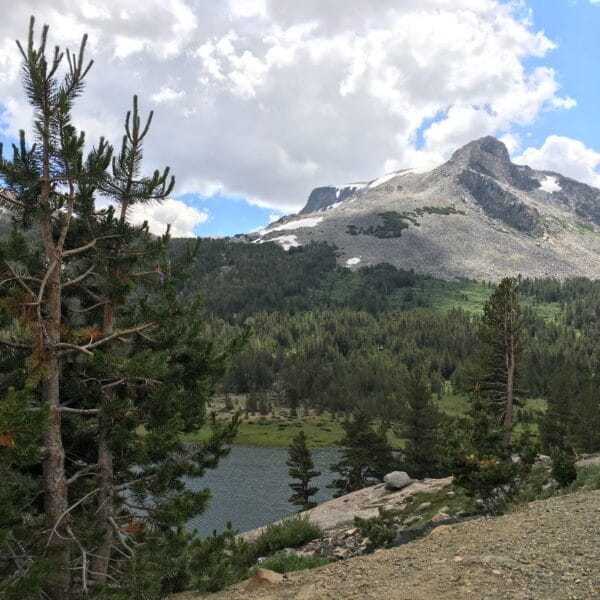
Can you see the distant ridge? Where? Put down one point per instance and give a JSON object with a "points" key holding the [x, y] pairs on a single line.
{"points": [[478, 215]]}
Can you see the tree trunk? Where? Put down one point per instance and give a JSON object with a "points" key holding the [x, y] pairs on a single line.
{"points": [[100, 561], [56, 500], [510, 382]]}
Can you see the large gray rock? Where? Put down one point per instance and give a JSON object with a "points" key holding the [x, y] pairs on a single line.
{"points": [[397, 480]]}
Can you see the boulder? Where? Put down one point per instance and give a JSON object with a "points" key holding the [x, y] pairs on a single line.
{"points": [[263, 578], [396, 480]]}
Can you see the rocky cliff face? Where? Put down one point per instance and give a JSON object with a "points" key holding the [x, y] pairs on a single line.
{"points": [[322, 198], [478, 215]]}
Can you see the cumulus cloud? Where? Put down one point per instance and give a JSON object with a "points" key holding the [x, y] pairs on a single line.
{"points": [[267, 99], [566, 156], [182, 218]]}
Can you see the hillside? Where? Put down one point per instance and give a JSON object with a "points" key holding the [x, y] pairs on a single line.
{"points": [[478, 216], [547, 549]]}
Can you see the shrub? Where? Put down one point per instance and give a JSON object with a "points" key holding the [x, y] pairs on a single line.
{"points": [[380, 529], [491, 479], [285, 563], [290, 533], [218, 561], [588, 478], [563, 467]]}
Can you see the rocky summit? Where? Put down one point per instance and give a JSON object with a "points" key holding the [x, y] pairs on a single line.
{"points": [[478, 215]]}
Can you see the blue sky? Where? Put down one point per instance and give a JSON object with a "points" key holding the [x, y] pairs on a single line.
{"points": [[259, 101], [573, 26]]}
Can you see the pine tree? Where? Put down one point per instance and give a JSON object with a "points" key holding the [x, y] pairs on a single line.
{"points": [[366, 456], [497, 371], [302, 468], [421, 425], [99, 345]]}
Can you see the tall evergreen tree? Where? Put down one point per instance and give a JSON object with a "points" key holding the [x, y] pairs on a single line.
{"points": [[421, 424], [101, 347], [497, 375], [301, 468], [366, 456]]}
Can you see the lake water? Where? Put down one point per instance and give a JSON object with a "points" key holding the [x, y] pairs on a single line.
{"points": [[250, 488]]}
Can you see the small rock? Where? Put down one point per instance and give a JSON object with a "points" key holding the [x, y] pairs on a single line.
{"points": [[412, 519], [397, 480], [440, 516], [451, 494], [549, 488], [542, 459], [352, 531], [263, 578], [341, 553], [423, 505]]}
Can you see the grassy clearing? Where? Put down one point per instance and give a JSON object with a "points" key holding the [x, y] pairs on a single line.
{"points": [[324, 430], [320, 431]]}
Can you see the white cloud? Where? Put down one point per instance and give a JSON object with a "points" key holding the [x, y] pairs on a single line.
{"points": [[167, 94], [248, 8], [565, 156], [182, 218], [268, 99], [512, 141]]}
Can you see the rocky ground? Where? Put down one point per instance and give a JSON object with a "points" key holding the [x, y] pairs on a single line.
{"points": [[338, 514], [549, 549]]}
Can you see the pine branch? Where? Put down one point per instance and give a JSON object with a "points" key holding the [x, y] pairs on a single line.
{"points": [[86, 349], [89, 245], [81, 473], [80, 278], [18, 279], [84, 563], [15, 345], [81, 500]]}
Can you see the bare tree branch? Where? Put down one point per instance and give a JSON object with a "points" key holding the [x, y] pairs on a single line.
{"points": [[15, 345], [18, 278], [80, 278]]}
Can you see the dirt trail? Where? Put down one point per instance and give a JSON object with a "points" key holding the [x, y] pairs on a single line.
{"points": [[546, 550]]}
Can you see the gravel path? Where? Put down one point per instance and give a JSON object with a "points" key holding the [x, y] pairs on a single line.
{"points": [[547, 550]]}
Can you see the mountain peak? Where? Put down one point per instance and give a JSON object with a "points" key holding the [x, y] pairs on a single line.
{"points": [[487, 156]]}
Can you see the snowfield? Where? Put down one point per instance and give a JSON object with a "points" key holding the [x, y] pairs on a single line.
{"points": [[285, 241], [308, 222], [352, 261], [383, 179], [550, 184]]}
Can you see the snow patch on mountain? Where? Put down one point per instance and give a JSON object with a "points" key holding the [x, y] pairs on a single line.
{"points": [[285, 241], [377, 182], [383, 179], [352, 261], [550, 184], [297, 224]]}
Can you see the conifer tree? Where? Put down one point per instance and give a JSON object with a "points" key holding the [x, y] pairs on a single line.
{"points": [[302, 468], [366, 456], [421, 425], [100, 347], [497, 373]]}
